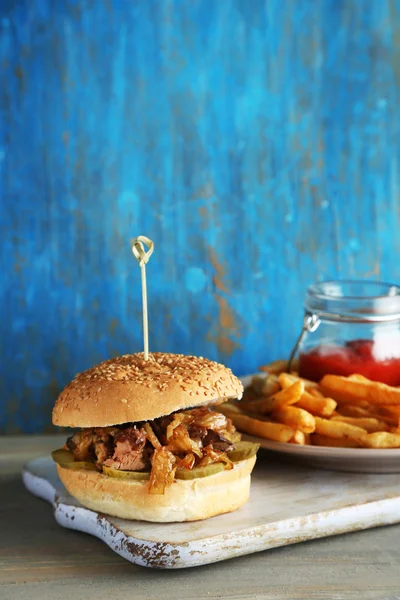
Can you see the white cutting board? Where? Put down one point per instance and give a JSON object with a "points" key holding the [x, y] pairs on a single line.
{"points": [[288, 504]]}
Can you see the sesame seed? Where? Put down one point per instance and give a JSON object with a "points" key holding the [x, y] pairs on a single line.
{"points": [[159, 374]]}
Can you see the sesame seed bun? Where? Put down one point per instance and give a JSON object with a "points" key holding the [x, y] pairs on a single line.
{"points": [[130, 389], [184, 500]]}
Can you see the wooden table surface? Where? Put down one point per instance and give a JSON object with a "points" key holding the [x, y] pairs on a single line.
{"points": [[40, 560]]}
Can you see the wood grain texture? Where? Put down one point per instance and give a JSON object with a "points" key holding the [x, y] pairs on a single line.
{"points": [[257, 143], [303, 504], [39, 559]]}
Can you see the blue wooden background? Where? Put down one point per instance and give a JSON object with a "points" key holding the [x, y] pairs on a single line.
{"points": [[256, 142]]}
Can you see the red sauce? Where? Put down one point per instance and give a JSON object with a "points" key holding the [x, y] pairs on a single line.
{"points": [[356, 356]]}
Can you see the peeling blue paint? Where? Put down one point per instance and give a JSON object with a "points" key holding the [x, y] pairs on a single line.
{"points": [[265, 132]]}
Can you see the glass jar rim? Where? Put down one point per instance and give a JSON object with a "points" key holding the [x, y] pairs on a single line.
{"points": [[354, 300]]}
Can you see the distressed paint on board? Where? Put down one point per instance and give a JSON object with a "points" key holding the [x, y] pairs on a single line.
{"points": [[256, 142], [303, 504]]}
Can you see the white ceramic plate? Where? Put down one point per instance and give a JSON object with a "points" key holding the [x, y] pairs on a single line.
{"points": [[357, 460]]}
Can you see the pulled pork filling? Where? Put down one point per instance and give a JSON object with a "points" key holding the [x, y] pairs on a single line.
{"points": [[183, 440]]}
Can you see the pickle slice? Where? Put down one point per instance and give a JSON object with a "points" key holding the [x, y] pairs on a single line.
{"points": [[132, 475], [65, 459], [199, 471], [243, 451], [62, 456]]}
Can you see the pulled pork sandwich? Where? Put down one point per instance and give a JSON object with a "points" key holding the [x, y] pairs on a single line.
{"points": [[142, 450]]}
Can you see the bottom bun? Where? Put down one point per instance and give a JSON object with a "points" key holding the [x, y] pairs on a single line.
{"points": [[184, 500]]}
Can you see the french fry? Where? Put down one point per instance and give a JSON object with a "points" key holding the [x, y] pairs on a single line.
{"points": [[266, 429], [382, 439], [265, 386], [338, 430], [267, 404], [227, 408], [353, 410], [323, 407], [345, 389], [289, 395], [393, 412], [287, 408], [390, 410], [288, 379], [314, 391], [255, 398], [298, 438], [370, 424], [350, 410], [261, 406], [360, 403], [230, 410], [323, 440], [296, 418], [357, 377], [278, 366]]}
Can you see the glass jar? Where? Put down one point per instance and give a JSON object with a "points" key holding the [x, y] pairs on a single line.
{"points": [[351, 327]]}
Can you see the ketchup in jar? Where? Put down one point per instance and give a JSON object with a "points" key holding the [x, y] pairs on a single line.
{"points": [[351, 327]]}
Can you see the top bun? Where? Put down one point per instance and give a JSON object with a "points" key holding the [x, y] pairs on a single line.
{"points": [[129, 389]]}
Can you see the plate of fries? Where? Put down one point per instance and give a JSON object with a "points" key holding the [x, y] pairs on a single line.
{"points": [[341, 423]]}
